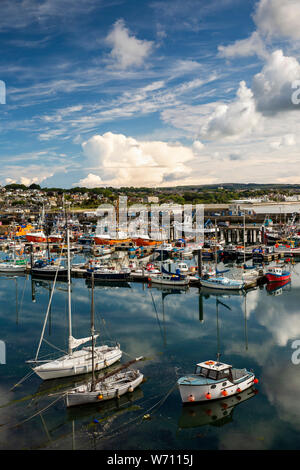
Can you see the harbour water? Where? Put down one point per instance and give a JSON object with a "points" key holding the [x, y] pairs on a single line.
{"points": [[172, 330]]}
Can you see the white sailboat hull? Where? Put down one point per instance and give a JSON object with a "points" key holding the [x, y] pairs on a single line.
{"points": [[214, 285], [12, 268], [79, 363], [107, 390], [164, 282]]}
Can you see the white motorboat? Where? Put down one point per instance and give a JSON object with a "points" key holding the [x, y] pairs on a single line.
{"points": [[164, 279], [165, 247], [12, 267], [223, 283], [213, 380], [169, 279]]}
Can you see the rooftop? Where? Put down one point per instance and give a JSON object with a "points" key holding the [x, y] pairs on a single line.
{"points": [[214, 365]]}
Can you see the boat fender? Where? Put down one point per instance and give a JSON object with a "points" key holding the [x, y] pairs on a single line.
{"points": [[130, 389], [238, 390], [208, 396], [224, 393], [191, 398], [255, 381], [100, 397]]}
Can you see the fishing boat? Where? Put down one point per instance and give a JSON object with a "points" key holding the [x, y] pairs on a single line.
{"points": [[222, 283], [276, 273], [109, 273], [213, 380], [75, 362], [165, 247], [108, 240], [36, 237], [169, 279], [13, 267], [112, 386], [144, 240], [55, 238]]}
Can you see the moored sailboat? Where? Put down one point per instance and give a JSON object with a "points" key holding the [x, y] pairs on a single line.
{"points": [[111, 385], [79, 361]]}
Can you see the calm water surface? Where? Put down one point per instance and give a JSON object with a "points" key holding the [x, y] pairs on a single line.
{"points": [[173, 331]]}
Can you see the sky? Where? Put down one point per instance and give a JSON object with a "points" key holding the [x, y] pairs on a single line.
{"points": [[150, 93]]}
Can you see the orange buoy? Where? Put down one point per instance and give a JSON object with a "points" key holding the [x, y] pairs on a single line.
{"points": [[191, 398], [100, 397], [255, 381], [208, 396], [224, 393]]}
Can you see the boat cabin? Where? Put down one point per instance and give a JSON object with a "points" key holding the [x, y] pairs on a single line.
{"points": [[183, 267], [214, 370], [275, 270]]}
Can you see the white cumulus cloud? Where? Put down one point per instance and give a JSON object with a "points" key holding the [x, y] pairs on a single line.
{"points": [[127, 50], [276, 18], [91, 181], [272, 87], [254, 45], [234, 119], [125, 161]]}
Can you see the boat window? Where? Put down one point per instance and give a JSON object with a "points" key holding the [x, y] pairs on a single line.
{"points": [[202, 371], [224, 374], [212, 374]]}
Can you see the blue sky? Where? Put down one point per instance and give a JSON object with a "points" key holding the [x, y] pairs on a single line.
{"points": [[149, 93]]}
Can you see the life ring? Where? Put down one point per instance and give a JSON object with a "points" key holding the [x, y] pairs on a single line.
{"points": [[209, 363]]}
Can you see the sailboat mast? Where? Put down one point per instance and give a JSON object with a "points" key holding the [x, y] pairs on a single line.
{"points": [[244, 239], [69, 292], [93, 333]]}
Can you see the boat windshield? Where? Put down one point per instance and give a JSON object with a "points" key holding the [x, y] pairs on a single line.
{"points": [[213, 374], [209, 373], [224, 374]]}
